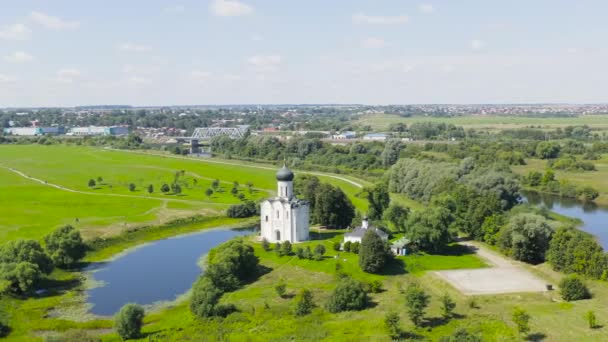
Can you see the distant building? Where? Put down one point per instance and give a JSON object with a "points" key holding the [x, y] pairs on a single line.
{"points": [[344, 136], [357, 234], [34, 131], [399, 247], [285, 218], [376, 136], [99, 130]]}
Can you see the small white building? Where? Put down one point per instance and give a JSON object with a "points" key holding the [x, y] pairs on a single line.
{"points": [[99, 130], [376, 137], [357, 234], [344, 136], [284, 217]]}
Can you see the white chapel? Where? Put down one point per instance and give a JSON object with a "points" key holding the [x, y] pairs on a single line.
{"points": [[284, 217]]}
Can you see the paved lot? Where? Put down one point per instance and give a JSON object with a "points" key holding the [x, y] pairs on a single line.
{"points": [[505, 276]]}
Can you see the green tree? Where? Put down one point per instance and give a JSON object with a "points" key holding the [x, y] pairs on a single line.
{"points": [[128, 321], [305, 303], [17, 251], [265, 245], [397, 215], [92, 183], [332, 207], [521, 319], [176, 189], [131, 187], [99, 180], [348, 295], [591, 319], [234, 191], [461, 335], [573, 288], [447, 306], [281, 289], [390, 154], [547, 150], [534, 178], [379, 200], [430, 228], [392, 324], [374, 253], [209, 193], [354, 247], [286, 248], [526, 237], [165, 188], [205, 297], [150, 189], [20, 277], [215, 184], [417, 301], [347, 246], [548, 177], [65, 246]]}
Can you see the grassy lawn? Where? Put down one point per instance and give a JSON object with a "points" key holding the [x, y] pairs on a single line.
{"points": [[32, 209], [596, 179], [382, 121]]}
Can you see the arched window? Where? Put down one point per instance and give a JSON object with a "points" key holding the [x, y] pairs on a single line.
{"points": [[278, 235], [277, 214], [266, 218]]}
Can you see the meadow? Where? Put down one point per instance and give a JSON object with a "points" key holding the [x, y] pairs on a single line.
{"points": [[381, 122], [33, 208]]}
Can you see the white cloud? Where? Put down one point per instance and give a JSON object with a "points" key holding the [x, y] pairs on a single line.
{"points": [[138, 80], [68, 75], [426, 8], [139, 69], [15, 32], [19, 57], [476, 44], [230, 8], [256, 38], [130, 47], [373, 43], [361, 18], [52, 22], [7, 79], [176, 9], [265, 63]]}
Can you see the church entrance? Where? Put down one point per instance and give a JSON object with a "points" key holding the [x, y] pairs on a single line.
{"points": [[278, 234]]}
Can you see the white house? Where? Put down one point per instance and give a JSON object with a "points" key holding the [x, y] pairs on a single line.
{"points": [[344, 136], [284, 217], [357, 234]]}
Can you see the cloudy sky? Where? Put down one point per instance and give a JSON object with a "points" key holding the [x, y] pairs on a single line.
{"points": [[154, 52]]}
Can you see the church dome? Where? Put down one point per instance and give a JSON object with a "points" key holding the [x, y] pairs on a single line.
{"points": [[285, 174]]}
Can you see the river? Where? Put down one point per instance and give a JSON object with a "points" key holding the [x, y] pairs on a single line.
{"points": [[155, 272], [594, 217]]}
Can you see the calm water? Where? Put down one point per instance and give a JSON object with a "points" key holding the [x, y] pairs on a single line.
{"points": [[594, 217], [158, 271]]}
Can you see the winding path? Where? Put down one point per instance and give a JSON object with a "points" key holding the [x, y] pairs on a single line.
{"points": [[60, 187]]}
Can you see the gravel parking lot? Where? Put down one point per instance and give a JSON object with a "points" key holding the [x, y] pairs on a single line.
{"points": [[504, 276]]}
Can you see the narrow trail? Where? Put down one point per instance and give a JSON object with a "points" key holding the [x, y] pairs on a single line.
{"points": [[59, 187], [359, 185]]}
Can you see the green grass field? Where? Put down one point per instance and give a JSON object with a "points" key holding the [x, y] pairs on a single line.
{"points": [[382, 121], [32, 209], [596, 179]]}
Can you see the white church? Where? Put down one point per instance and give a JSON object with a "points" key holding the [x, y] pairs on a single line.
{"points": [[284, 217]]}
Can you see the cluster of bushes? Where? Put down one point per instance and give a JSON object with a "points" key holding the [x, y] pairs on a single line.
{"points": [[247, 209], [23, 263], [570, 163], [574, 251], [229, 266], [286, 249], [352, 247], [547, 182]]}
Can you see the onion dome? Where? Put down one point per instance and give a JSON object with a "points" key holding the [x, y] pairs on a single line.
{"points": [[285, 174]]}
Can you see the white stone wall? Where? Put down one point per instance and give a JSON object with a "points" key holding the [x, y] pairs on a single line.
{"points": [[285, 189]]}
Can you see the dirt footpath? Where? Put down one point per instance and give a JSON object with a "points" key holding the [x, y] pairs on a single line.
{"points": [[504, 276]]}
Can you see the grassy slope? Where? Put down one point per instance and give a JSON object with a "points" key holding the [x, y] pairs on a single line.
{"points": [[33, 209], [596, 179], [382, 121]]}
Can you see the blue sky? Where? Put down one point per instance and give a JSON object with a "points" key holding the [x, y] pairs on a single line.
{"points": [[153, 52]]}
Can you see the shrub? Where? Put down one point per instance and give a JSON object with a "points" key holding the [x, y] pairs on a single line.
{"points": [[308, 253], [573, 288], [265, 245], [391, 322], [4, 329], [375, 286], [128, 321], [277, 249], [461, 335], [247, 209], [337, 246], [65, 246], [204, 298], [591, 319], [320, 249], [522, 319], [346, 246], [354, 247], [286, 248], [417, 301], [348, 295], [281, 290], [447, 306], [300, 253], [305, 303]]}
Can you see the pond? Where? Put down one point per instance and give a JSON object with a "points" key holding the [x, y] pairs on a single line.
{"points": [[594, 217], [158, 271]]}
